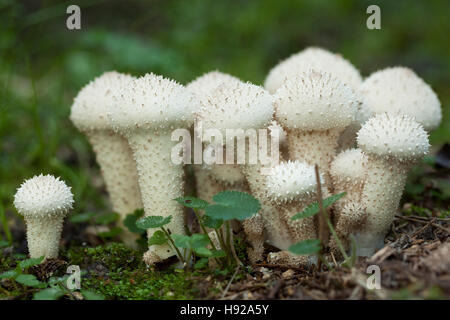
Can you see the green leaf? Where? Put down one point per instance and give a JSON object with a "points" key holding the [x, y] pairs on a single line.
{"points": [[195, 241], [157, 238], [218, 254], [30, 262], [306, 247], [211, 222], [233, 205], [130, 221], [8, 274], [181, 241], [152, 222], [82, 217], [201, 263], [48, 294], [111, 233], [107, 218], [192, 202], [313, 208], [203, 252], [28, 280], [90, 295], [3, 243]]}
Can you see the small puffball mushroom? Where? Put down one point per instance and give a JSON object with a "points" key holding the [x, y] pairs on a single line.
{"points": [[348, 173], [239, 105], [392, 143], [399, 90], [217, 176], [146, 111], [113, 154], [314, 108], [44, 202], [316, 58]]}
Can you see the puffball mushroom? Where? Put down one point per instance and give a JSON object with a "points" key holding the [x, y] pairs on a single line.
{"points": [[44, 202], [312, 58], [314, 108], [392, 143], [399, 90], [145, 112], [239, 105], [113, 154], [211, 179]]}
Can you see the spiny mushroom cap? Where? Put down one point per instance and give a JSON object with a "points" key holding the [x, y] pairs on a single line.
{"points": [[90, 107], [208, 82], [398, 137], [236, 105], [291, 180], [316, 58], [43, 196], [399, 90], [152, 102], [315, 101], [350, 165]]}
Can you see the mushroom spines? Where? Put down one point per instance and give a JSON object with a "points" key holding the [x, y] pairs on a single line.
{"points": [[291, 180], [208, 82], [349, 166], [312, 57], [315, 100], [43, 196], [152, 102], [236, 105], [398, 137], [90, 107], [399, 90]]}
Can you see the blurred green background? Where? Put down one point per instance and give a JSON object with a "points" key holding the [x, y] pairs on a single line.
{"points": [[43, 65]]}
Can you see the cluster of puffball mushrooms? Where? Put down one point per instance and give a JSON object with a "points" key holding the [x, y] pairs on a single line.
{"points": [[364, 135]]}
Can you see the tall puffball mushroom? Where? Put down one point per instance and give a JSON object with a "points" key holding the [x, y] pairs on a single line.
{"points": [[399, 90], [240, 106], [113, 154], [211, 179], [43, 201], [291, 187], [146, 111], [314, 108], [392, 143]]}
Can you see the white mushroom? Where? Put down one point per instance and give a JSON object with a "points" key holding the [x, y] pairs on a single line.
{"points": [[113, 154], [146, 111], [314, 108], [392, 143], [44, 202], [399, 90], [239, 105]]}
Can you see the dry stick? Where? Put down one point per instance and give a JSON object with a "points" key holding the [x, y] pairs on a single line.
{"points": [[424, 222], [229, 283]]}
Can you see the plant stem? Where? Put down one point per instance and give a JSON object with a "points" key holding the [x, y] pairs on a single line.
{"points": [[173, 244], [204, 229]]}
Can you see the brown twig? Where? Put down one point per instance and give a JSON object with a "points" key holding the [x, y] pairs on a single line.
{"points": [[424, 221], [229, 283]]}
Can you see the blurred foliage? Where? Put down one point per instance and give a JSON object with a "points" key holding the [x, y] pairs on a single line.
{"points": [[43, 65]]}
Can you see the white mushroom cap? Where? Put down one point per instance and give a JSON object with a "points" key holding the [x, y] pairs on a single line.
{"points": [[393, 136], [316, 58], [274, 126], [349, 166], [152, 102], [90, 106], [315, 101], [237, 105], [291, 180], [43, 196], [208, 82], [399, 90]]}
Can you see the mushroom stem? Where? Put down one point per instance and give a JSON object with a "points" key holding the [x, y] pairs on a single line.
{"points": [[314, 147], [118, 169], [381, 197], [43, 234], [160, 182]]}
